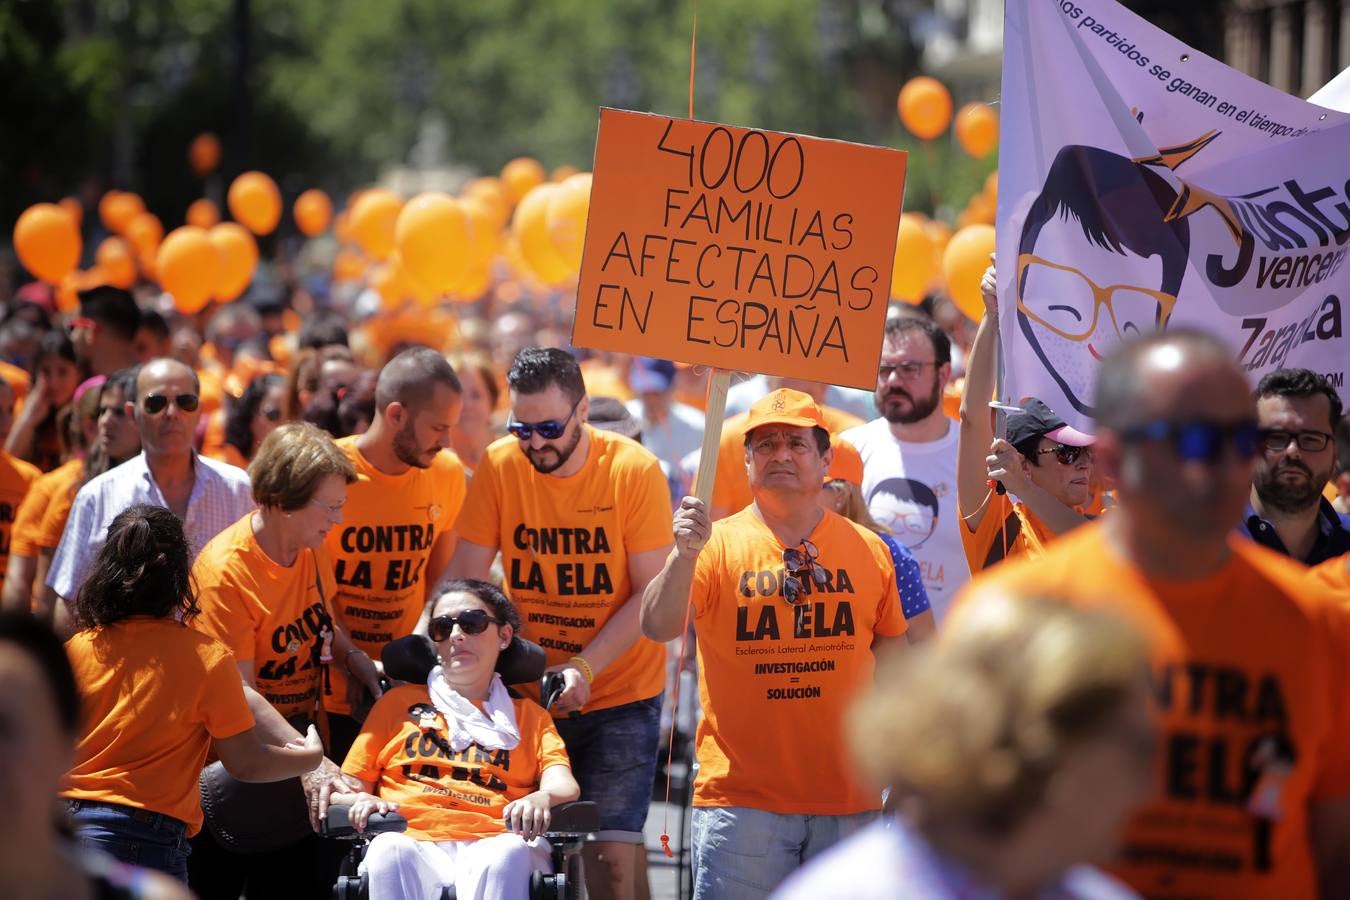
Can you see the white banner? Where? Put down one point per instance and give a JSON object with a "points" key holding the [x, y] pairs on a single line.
{"points": [[1143, 185]]}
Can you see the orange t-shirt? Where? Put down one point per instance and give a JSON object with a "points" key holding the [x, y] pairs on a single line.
{"points": [[447, 795], [15, 478], [1008, 529], [153, 694], [731, 486], [1334, 574], [226, 453], [1249, 672], [389, 526], [57, 487], [273, 616], [776, 680], [565, 545]]}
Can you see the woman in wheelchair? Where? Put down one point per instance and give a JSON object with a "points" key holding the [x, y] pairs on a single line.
{"points": [[473, 770]]}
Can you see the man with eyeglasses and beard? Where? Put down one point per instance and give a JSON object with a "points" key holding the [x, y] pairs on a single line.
{"points": [[790, 603], [1249, 656], [1297, 411], [909, 455], [1040, 460], [206, 495], [397, 531], [582, 519]]}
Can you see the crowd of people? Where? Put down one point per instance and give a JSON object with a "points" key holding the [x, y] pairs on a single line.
{"points": [[941, 649]]}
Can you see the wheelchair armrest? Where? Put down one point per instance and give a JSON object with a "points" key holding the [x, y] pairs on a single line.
{"points": [[338, 825], [578, 817]]}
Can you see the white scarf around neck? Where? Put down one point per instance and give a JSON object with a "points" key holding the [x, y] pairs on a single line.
{"points": [[493, 727]]}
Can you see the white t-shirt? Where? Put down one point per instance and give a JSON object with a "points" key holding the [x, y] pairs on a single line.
{"points": [[910, 488]]}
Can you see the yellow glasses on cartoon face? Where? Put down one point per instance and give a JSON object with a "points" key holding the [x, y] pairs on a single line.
{"points": [[1055, 296]]}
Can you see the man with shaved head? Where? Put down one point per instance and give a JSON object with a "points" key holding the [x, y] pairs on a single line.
{"points": [[206, 495], [1252, 796], [395, 539]]}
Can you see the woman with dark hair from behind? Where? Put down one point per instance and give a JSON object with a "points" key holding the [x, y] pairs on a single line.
{"points": [[1010, 777], [36, 436], [39, 722], [253, 417], [157, 695]]}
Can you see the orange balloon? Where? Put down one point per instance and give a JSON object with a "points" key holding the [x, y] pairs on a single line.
{"points": [[373, 218], [48, 242], [566, 217], [520, 176], [145, 232], [915, 264], [204, 153], [118, 208], [977, 129], [562, 173], [963, 266], [238, 258], [342, 227], [115, 259], [925, 107], [982, 209], [189, 268], [432, 235], [490, 192], [255, 202], [312, 212], [485, 234], [74, 207], [203, 213], [348, 265], [991, 185], [530, 227]]}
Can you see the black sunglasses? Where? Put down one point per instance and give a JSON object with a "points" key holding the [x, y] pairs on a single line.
{"points": [[798, 563], [471, 621], [549, 430], [271, 415], [1276, 439], [154, 404], [1065, 454], [1201, 441]]}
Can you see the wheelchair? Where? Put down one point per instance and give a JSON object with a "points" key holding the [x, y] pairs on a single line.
{"points": [[411, 659]]}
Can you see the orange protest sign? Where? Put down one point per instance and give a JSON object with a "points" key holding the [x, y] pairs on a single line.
{"points": [[739, 249]]}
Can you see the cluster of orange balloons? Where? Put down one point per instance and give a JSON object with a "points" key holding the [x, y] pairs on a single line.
{"points": [[928, 256], [925, 107]]}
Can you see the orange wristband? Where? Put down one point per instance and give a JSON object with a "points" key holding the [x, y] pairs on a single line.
{"points": [[585, 668]]}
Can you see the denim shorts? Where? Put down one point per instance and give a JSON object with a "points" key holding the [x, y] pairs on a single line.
{"points": [[135, 836], [745, 854], [613, 753]]}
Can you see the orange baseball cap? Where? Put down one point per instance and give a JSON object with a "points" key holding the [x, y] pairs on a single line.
{"points": [[784, 407], [847, 464]]}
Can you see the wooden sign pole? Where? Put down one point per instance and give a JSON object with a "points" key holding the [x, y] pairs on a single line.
{"points": [[718, 382]]}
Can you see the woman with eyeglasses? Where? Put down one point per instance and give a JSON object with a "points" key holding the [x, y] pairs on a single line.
{"points": [[252, 417], [157, 697], [473, 770], [266, 591]]}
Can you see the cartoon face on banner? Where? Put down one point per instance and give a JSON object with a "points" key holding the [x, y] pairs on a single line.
{"points": [[1097, 262], [905, 507], [1145, 186]]}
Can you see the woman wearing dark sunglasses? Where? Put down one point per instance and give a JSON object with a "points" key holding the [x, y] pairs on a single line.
{"points": [[473, 770], [253, 417]]}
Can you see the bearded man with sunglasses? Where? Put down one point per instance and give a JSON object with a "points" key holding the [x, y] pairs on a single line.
{"points": [[208, 496], [1041, 461], [1297, 410], [790, 603], [582, 519], [1249, 657]]}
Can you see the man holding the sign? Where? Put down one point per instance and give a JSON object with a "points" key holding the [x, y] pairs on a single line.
{"points": [[582, 519], [790, 604]]}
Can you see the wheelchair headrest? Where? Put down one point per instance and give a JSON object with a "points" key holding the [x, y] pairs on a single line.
{"points": [[413, 657]]}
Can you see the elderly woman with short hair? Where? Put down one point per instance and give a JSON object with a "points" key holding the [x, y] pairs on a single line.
{"points": [[265, 589]]}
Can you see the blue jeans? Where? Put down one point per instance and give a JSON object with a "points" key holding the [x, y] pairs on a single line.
{"points": [[613, 755], [135, 836], [745, 853]]}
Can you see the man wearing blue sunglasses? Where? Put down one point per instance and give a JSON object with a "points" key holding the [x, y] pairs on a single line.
{"points": [[582, 519], [1253, 777]]}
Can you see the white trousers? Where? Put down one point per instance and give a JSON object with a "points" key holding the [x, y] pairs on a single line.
{"points": [[496, 868]]}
